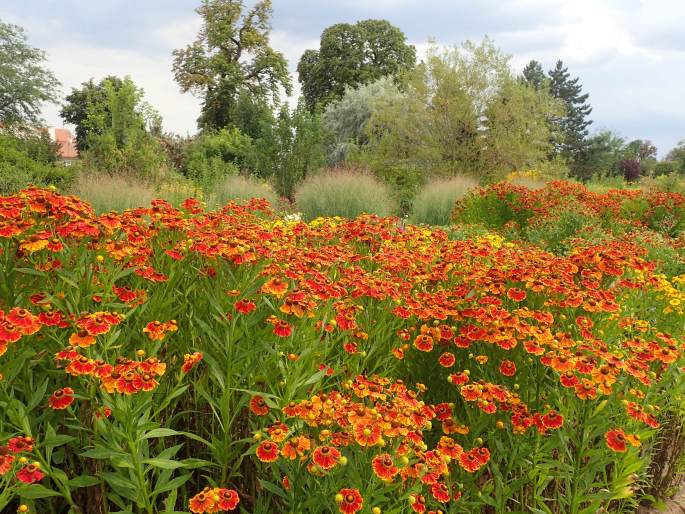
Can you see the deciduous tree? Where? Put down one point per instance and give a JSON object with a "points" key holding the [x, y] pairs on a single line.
{"points": [[25, 82], [231, 57], [351, 55]]}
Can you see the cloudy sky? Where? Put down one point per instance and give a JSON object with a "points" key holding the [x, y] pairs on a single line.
{"points": [[629, 54]]}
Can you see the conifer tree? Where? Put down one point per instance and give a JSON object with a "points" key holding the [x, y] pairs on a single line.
{"points": [[572, 126]]}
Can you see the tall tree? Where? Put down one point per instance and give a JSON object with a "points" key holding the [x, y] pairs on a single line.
{"points": [[572, 126], [351, 55], [231, 57], [534, 75], [25, 82], [77, 104]]}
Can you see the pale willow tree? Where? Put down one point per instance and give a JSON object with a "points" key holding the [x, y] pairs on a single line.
{"points": [[463, 112], [346, 119]]}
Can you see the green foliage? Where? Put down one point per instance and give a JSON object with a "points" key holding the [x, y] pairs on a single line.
{"points": [[240, 188], [346, 119], [214, 155], [231, 58], [290, 149], [463, 113], [30, 159], [352, 55], [25, 82], [495, 210], [434, 203], [79, 104], [677, 156], [570, 127], [118, 140], [534, 76], [342, 192], [603, 153]]}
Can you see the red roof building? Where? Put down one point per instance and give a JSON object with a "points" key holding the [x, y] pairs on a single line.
{"points": [[67, 144]]}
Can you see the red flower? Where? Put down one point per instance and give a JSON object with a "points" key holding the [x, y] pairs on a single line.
{"points": [[367, 434], [326, 457], [258, 406], [202, 502], [228, 499], [349, 501], [189, 361], [30, 474], [616, 440], [417, 503], [423, 343], [507, 368], [552, 420], [6, 460], [516, 294], [62, 398], [26, 322], [447, 360], [20, 444], [267, 451], [81, 339], [473, 460], [384, 467], [440, 492], [282, 328], [244, 306]]}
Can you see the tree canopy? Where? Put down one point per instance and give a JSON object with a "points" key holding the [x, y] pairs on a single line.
{"points": [[25, 82], [351, 55], [572, 125], [231, 57]]}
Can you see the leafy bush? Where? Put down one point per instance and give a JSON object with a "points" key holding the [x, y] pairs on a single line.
{"points": [[434, 203], [106, 192], [214, 155], [238, 187], [30, 159], [345, 192]]}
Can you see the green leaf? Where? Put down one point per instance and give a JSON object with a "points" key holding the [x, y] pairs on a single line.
{"points": [[36, 491], [57, 440], [173, 484], [160, 432], [164, 463], [84, 481]]}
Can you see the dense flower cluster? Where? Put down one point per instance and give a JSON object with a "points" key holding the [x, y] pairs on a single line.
{"points": [[420, 361]]}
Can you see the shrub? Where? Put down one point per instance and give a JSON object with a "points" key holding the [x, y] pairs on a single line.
{"points": [[107, 193], [214, 155], [29, 159], [342, 192], [434, 203], [240, 188]]}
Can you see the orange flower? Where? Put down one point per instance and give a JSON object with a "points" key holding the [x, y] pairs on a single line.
{"points": [[202, 502], [244, 306], [507, 368], [282, 328], [383, 467], [258, 406], [326, 457], [440, 492], [82, 339], [62, 398], [417, 503], [267, 451], [30, 473], [515, 294], [189, 361], [349, 501], [275, 286], [447, 360], [616, 440], [367, 434], [423, 342], [552, 420]]}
